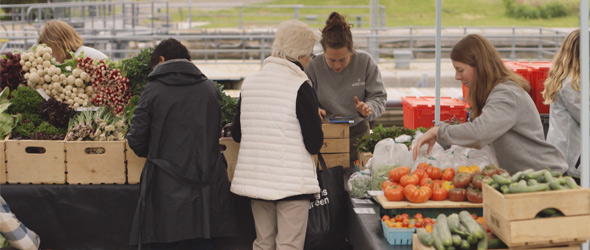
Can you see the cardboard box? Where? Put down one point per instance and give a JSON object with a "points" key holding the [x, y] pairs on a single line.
{"points": [[512, 217], [35, 162], [95, 162], [134, 165]]}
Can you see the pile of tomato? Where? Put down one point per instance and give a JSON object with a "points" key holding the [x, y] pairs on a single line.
{"points": [[426, 182], [404, 221]]}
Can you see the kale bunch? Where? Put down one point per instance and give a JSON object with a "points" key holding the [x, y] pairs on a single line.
{"points": [[56, 113]]}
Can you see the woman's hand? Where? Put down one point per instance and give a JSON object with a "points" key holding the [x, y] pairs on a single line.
{"points": [[429, 138], [322, 113], [362, 107]]}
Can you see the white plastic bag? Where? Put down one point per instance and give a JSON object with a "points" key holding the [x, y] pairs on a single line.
{"points": [[386, 156]]}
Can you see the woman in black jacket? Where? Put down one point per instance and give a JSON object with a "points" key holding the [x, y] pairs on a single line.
{"points": [[184, 200]]}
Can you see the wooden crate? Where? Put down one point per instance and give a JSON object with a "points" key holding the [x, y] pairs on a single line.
{"points": [[336, 130], [364, 157], [417, 245], [2, 163], [87, 167], [26, 164], [334, 160], [512, 216], [232, 149], [134, 165]]}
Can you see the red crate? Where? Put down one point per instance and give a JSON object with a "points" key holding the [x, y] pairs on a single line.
{"points": [[519, 68], [539, 71], [419, 111]]}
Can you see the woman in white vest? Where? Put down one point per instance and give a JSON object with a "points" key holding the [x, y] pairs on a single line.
{"points": [[278, 127]]}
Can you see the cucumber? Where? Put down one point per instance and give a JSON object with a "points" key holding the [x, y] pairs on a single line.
{"points": [[526, 173], [453, 221], [471, 224], [555, 174], [536, 174], [450, 248], [495, 185], [560, 180], [483, 243], [522, 183], [426, 238], [548, 177], [437, 242], [554, 185], [571, 183], [505, 189], [535, 188], [532, 182], [465, 244], [471, 239], [444, 232], [501, 179], [496, 244], [516, 177], [456, 239]]}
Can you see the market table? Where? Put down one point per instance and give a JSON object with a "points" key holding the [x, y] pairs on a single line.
{"points": [[96, 216]]}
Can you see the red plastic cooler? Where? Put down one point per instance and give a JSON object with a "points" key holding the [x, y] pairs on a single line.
{"points": [[419, 111], [539, 71]]}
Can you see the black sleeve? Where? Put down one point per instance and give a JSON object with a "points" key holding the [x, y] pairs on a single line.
{"points": [[138, 136], [309, 119], [236, 128]]}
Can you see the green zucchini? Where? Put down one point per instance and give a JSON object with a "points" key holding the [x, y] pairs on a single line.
{"points": [[522, 183], [501, 179], [471, 224], [535, 188], [554, 185], [496, 244], [426, 238], [456, 239], [525, 173], [444, 232], [571, 183], [483, 242], [453, 221], [536, 174], [505, 189], [471, 239], [437, 242], [465, 244], [548, 177], [450, 248], [532, 182], [516, 176]]}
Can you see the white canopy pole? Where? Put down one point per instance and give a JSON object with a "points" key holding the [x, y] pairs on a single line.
{"points": [[584, 85], [437, 54], [584, 66]]}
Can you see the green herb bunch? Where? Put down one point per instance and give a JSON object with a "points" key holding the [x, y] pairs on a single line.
{"points": [[137, 69], [229, 106], [367, 143]]}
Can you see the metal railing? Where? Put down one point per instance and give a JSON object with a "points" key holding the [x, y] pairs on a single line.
{"points": [[120, 28]]}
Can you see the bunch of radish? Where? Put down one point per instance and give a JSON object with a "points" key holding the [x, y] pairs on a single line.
{"points": [[41, 72], [110, 87]]}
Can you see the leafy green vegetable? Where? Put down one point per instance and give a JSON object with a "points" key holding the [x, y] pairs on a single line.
{"points": [[24, 100], [229, 106], [367, 143], [129, 109], [359, 184], [137, 69]]}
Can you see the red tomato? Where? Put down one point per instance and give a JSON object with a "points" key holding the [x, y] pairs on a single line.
{"points": [[394, 193], [398, 218], [421, 174], [437, 183], [385, 184], [448, 174], [396, 174], [428, 220], [405, 216], [427, 182], [435, 174], [417, 194], [419, 224], [385, 218], [418, 216], [424, 166], [405, 223], [439, 194], [409, 179]]}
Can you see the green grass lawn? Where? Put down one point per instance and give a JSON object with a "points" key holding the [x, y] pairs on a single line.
{"points": [[398, 13]]}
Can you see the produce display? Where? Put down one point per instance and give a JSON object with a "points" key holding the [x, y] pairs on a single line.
{"points": [[427, 182], [404, 221], [531, 181], [457, 231]]}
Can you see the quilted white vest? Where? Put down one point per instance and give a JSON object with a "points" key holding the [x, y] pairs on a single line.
{"points": [[273, 162]]}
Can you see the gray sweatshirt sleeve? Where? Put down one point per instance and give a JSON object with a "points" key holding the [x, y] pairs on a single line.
{"points": [[497, 117], [376, 96], [571, 99]]}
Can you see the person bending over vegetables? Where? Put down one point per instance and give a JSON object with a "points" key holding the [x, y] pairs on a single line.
{"points": [[184, 198], [63, 39], [502, 112]]}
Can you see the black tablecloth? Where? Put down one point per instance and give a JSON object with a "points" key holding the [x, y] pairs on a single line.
{"points": [[365, 231], [96, 216], [100, 216]]}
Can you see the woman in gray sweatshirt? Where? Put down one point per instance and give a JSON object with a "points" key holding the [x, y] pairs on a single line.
{"points": [[502, 112]]}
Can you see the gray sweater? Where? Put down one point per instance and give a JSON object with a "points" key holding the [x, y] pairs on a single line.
{"points": [[336, 90], [511, 123]]}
